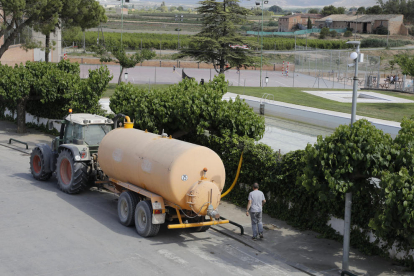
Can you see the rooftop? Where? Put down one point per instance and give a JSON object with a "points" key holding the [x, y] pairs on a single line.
{"points": [[373, 17]]}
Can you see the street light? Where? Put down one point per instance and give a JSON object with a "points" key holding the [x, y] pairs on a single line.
{"points": [[261, 41], [355, 56], [179, 19]]}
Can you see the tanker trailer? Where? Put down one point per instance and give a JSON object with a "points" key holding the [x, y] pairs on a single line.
{"points": [[160, 178]]}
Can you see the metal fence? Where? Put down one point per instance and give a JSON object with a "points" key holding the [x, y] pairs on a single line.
{"points": [[298, 32], [336, 67]]}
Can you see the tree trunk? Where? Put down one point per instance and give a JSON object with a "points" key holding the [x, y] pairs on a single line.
{"points": [[47, 47], [21, 116], [222, 64], [120, 76]]}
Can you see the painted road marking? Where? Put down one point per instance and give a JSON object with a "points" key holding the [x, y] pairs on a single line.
{"points": [[253, 261], [217, 262], [171, 256]]}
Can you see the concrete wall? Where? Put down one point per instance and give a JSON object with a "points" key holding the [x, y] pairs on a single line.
{"points": [[314, 116], [56, 52], [16, 55]]}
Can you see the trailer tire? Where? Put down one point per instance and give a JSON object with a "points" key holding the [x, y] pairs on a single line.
{"points": [[127, 203], [38, 165], [72, 176], [143, 220], [202, 228]]}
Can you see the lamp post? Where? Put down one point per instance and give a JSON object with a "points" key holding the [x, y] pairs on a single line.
{"points": [[355, 56], [261, 41], [179, 19]]}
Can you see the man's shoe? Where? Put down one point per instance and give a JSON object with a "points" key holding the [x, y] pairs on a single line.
{"points": [[254, 238], [261, 235]]}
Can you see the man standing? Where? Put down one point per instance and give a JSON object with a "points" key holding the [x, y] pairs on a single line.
{"points": [[256, 201]]}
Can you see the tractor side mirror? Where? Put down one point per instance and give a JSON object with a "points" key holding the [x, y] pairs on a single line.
{"points": [[50, 125]]}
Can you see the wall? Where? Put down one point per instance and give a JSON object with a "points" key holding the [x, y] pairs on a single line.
{"points": [[16, 55], [314, 116]]}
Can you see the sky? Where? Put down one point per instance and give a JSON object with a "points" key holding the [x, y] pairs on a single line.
{"points": [[282, 3]]}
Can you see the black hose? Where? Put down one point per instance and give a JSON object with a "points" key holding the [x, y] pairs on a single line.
{"points": [[236, 224]]}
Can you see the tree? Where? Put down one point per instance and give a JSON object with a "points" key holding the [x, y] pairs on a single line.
{"points": [[341, 10], [309, 23], [328, 10], [276, 9], [324, 32], [361, 10], [180, 8], [89, 15], [16, 15], [218, 34], [45, 85], [113, 51], [374, 10], [345, 162], [406, 63], [188, 108], [313, 11]]}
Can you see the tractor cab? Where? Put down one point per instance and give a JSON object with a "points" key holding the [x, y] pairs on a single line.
{"points": [[83, 130]]}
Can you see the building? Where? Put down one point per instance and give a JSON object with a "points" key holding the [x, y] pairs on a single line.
{"points": [[15, 54], [121, 11], [290, 23], [335, 21], [365, 23]]}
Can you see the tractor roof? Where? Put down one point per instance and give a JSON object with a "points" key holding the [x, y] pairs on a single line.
{"points": [[88, 119]]}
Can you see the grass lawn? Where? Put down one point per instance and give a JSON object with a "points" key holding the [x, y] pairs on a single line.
{"points": [[385, 111]]}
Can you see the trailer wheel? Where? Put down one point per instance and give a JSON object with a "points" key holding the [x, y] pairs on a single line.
{"points": [[38, 166], [127, 203], [72, 176], [143, 220], [202, 228]]}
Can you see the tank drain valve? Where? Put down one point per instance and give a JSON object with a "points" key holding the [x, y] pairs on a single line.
{"points": [[212, 213]]}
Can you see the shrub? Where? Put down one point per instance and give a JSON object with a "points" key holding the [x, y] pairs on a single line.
{"points": [[333, 33], [381, 30], [324, 32], [348, 33]]}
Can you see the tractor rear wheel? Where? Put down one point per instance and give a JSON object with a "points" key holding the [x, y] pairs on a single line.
{"points": [[72, 176], [143, 220], [38, 165]]}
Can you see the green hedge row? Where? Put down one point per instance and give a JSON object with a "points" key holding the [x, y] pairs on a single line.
{"points": [[170, 41]]}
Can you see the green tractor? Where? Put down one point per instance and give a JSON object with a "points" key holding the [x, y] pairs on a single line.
{"points": [[73, 154]]}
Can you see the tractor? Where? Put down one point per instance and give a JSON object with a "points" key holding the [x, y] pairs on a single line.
{"points": [[73, 154]]}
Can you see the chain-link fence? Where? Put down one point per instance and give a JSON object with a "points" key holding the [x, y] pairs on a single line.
{"points": [[337, 67]]}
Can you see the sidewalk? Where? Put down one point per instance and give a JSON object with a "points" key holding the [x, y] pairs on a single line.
{"points": [[32, 137], [300, 249]]}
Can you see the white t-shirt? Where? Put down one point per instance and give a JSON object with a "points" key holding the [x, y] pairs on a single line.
{"points": [[256, 197]]}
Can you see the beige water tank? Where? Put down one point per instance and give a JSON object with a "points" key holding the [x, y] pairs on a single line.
{"points": [[168, 167]]}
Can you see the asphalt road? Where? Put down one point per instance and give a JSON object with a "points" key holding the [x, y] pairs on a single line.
{"points": [[44, 231]]}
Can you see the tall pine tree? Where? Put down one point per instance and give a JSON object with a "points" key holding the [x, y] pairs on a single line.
{"points": [[219, 33]]}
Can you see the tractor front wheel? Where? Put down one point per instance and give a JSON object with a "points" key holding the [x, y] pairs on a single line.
{"points": [[72, 176], [38, 165]]}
